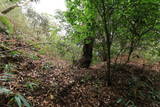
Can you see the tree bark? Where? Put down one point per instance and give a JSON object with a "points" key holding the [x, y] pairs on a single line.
{"points": [[104, 52], [108, 43], [134, 43], [86, 59], [130, 53]]}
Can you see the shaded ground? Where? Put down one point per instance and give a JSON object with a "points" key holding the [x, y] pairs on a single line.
{"points": [[58, 85]]}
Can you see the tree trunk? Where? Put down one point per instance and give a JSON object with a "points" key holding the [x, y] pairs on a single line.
{"points": [[108, 41], [129, 54], [86, 59], [109, 62], [108, 69], [104, 51], [131, 49]]}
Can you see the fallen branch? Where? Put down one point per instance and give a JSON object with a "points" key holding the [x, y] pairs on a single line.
{"points": [[9, 9], [1, 41]]}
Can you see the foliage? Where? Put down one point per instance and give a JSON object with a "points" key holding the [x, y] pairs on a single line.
{"points": [[5, 25], [59, 46], [5, 91], [31, 85], [16, 98], [117, 27], [8, 67], [82, 27], [20, 100], [39, 22], [128, 103], [137, 25]]}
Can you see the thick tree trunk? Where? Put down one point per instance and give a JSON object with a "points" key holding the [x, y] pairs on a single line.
{"points": [[86, 59]]}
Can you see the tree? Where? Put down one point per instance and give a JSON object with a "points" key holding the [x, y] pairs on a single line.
{"points": [[39, 22], [140, 18], [115, 20], [107, 10], [81, 16]]}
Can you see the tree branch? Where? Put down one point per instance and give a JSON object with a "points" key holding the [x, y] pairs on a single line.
{"points": [[9, 9]]}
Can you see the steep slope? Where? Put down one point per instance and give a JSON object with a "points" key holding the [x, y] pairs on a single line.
{"points": [[52, 82]]}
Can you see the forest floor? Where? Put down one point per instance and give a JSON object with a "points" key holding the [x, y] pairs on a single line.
{"points": [[57, 84]]}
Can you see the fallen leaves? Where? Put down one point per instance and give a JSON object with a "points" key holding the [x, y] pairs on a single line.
{"points": [[59, 85]]}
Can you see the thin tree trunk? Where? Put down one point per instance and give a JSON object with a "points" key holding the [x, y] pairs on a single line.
{"points": [[130, 53], [131, 49], [120, 52], [104, 54], [108, 71], [109, 62]]}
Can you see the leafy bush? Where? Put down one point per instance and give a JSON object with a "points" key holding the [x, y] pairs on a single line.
{"points": [[5, 24], [9, 67]]}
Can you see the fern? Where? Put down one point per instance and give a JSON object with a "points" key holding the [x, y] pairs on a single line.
{"points": [[5, 91], [20, 100], [16, 98]]}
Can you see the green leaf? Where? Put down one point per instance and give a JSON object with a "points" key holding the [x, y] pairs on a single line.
{"points": [[18, 101], [25, 102], [119, 100], [5, 24], [5, 91]]}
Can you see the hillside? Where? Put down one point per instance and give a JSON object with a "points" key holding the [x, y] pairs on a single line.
{"points": [[104, 53], [48, 82]]}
